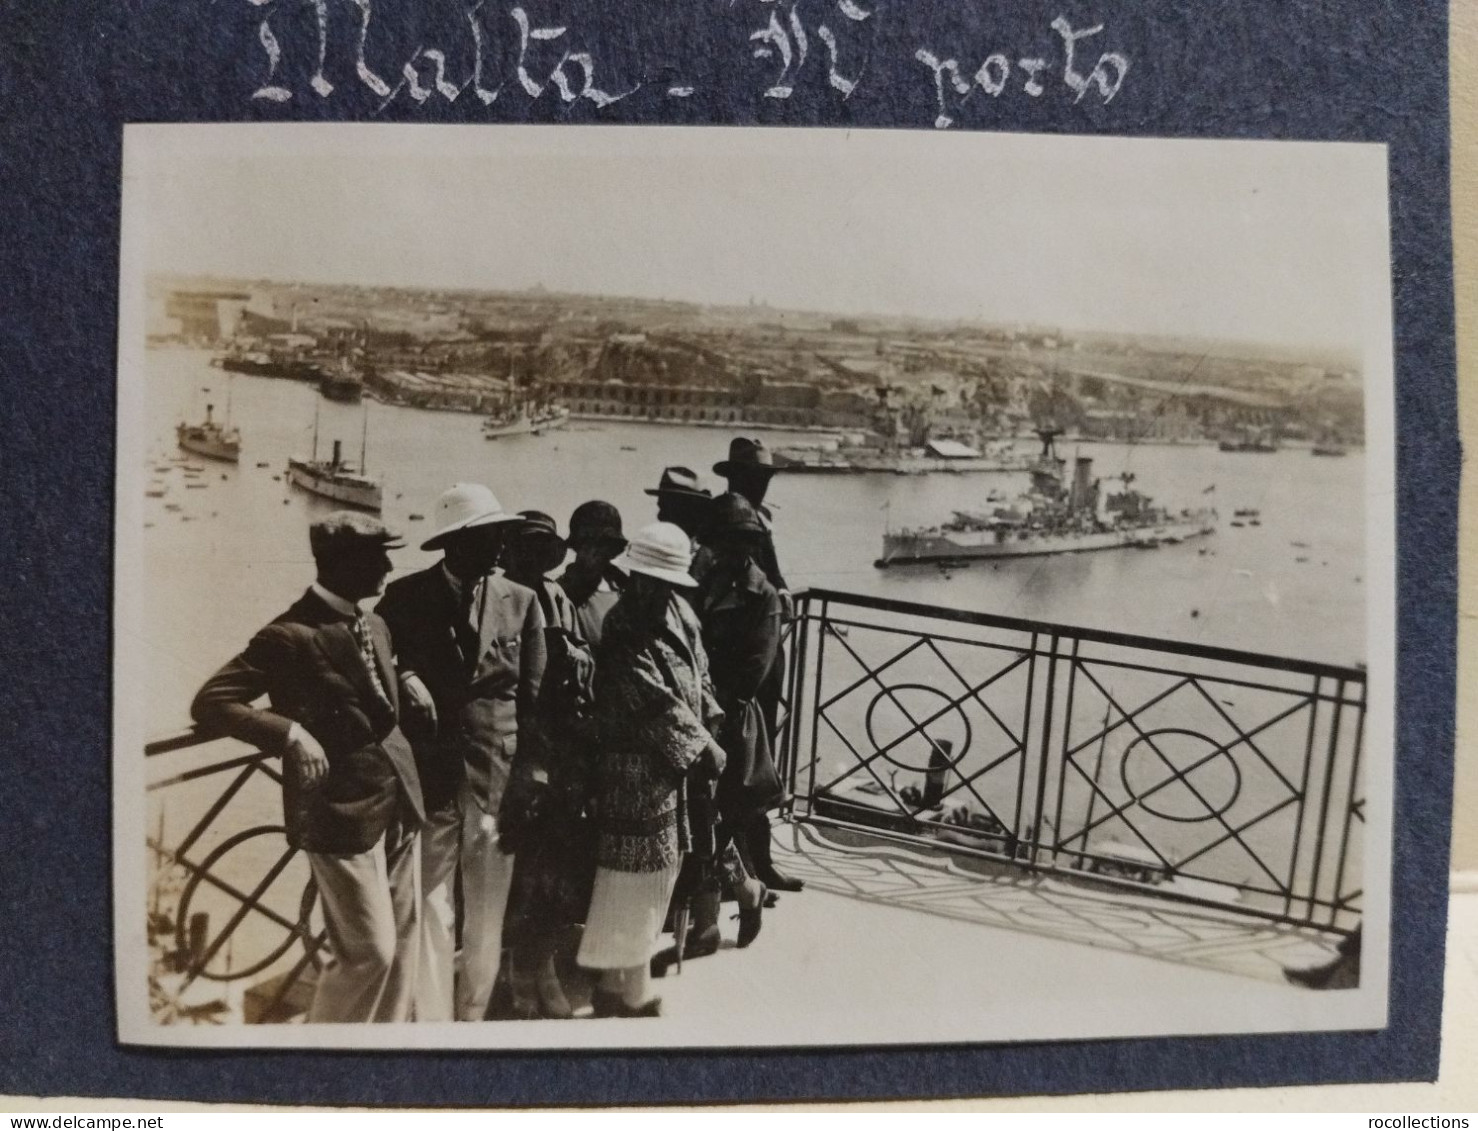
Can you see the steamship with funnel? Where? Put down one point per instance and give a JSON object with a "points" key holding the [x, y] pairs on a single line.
{"points": [[334, 478], [1056, 516], [209, 439]]}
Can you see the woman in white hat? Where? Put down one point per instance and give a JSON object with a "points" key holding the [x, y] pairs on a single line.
{"points": [[656, 715]]}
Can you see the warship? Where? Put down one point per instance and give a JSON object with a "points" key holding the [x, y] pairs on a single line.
{"points": [[1057, 515]]}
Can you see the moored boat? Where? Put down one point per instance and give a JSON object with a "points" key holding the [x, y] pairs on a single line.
{"points": [[342, 385], [210, 439], [523, 417], [336, 479]]}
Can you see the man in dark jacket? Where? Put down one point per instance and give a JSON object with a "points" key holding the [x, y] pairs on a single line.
{"points": [[748, 471], [351, 792], [471, 650], [740, 613]]}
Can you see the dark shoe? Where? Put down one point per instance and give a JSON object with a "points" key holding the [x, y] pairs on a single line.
{"points": [[777, 880], [700, 944], [614, 1005], [751, 919], [1343, 973]]}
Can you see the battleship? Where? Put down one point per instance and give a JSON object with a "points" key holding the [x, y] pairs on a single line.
{"points": [[209, 439], [334, 478], [1056, 516]]}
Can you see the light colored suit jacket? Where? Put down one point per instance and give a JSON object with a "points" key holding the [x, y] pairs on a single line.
{"points": [[480, 697]]}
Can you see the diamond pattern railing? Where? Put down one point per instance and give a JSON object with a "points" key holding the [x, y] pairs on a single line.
{"points": [[1218, 777]]}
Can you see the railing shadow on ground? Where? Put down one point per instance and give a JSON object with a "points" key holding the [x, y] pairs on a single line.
{"points": [[931, 881]]}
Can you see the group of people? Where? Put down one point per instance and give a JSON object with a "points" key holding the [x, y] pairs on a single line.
{"points": [[498, 768]]}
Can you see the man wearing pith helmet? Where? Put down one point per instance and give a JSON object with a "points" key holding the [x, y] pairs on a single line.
{"points": [[471, 649], [351, 792]]}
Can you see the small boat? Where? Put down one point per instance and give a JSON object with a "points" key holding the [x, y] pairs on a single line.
{"points": [[263, 463], [196, 486], [155, 491], [417, 517], [1246, 512], [1237, 524], [627, 448]]}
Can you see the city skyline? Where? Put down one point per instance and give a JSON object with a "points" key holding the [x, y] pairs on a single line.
{"points": [[1277, 243]]}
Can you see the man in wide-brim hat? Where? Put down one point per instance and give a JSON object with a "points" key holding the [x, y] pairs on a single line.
{"points": [[748, 471], [351, 791], [683, 501], [471, 649]]}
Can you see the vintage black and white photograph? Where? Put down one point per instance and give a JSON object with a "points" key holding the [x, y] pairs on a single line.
{"points": [[681, 587]]}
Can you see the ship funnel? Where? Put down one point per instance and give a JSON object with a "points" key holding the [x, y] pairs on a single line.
{"points": [[208, 409], [338, 447], [1082, 489]]}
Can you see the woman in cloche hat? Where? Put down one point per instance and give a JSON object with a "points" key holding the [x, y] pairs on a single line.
{"points": [[655, 712]]}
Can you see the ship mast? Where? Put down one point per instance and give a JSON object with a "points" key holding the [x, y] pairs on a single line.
{"points": [[315, 430], [363, 441]]}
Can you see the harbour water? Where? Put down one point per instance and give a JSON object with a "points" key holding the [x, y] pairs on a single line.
{"points": [[236, 552]]}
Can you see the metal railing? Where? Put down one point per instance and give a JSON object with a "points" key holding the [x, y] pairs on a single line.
{"points": [[238, 865], [1220, 777]]}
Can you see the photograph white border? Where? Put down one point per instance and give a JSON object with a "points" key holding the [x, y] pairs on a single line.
{"points": [[146, 146]]}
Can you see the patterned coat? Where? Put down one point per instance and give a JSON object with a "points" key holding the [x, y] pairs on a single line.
{"points": [[655, 713]]}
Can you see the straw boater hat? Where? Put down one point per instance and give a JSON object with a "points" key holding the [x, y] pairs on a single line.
{"points": [[663, 551], [463, 507], [349, 532], [747, 455]]}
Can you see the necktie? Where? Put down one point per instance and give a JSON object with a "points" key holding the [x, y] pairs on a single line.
{"points": [[360, 627], [469, 622]]}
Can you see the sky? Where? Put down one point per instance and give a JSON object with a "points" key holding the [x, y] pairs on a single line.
{"points": [[1280, 243]]}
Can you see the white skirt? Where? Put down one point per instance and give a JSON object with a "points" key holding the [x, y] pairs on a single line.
{"points": [[627, 910]]}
